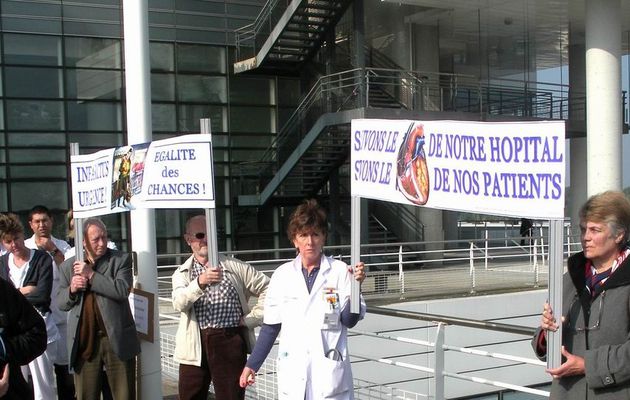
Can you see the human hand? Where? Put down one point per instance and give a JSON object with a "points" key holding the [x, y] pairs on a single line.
{"points": [[4, 381], [45, 243], [248, 377], [574, 365], [358, 271], [210, 275], [83, 268], [548, 321], [27, 289], [78, 283]]}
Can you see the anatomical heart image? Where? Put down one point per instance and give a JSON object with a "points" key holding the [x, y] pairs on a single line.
{"points": [[412, 172]]}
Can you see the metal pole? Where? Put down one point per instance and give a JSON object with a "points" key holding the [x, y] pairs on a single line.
{"points": [[211, 216], [355, 251], [554, 339], [438, 375], [78, 222]]}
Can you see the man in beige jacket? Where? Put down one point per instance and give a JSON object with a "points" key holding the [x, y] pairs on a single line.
{"points": [[215, 330]]}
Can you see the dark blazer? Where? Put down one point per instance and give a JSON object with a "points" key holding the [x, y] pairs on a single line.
{"points": [[40, 274], [111, 284], [24, 337]]}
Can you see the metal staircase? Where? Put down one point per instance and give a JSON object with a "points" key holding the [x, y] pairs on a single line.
{"points": [[315, 140], [286, 34]]}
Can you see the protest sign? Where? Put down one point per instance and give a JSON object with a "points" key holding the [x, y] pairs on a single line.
{"points": [[170, 173], [513, 169]]}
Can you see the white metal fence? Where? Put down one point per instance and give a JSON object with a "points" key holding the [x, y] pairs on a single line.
{"points": [[405, 271]]}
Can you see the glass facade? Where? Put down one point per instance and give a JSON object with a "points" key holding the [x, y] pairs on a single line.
{"points": [[62, 81]]}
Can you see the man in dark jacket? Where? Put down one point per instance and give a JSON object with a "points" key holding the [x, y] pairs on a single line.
{"points": [[101, 329], [22, 339]]}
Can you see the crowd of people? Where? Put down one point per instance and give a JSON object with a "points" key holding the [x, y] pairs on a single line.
{"points": [[66, 325], [67, 332]]}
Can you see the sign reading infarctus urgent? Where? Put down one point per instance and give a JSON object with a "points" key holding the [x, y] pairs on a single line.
{"points": [[170, 173], [515, 169]]}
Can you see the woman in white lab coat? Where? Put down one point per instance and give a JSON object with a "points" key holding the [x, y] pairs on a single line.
{"points": [[309, 298]]}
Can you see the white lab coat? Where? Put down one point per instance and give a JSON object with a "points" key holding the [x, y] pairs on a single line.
{"points": [[304, 371]]}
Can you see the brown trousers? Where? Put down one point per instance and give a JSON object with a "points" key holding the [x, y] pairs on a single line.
{"points": [[223, 358], [121, 375]]}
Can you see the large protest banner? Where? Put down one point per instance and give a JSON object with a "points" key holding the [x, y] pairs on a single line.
{"points": [[170, 173], [514, 169]]}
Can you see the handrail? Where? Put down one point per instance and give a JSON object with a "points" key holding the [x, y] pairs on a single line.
{"points": [[250, 32], [470, 323]]}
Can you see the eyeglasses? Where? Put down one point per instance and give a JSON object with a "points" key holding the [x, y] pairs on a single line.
{"points": [[594, 320], [200, 235]]}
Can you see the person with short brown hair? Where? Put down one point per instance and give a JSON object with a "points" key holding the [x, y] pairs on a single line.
{"points": [[31, 272], [309, 300]]}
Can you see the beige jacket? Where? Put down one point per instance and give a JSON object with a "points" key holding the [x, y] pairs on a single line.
{"points": [[247, 281]]}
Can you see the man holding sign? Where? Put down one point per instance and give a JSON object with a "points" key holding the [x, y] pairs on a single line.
{"points": [[215, 330], [101, 330]]}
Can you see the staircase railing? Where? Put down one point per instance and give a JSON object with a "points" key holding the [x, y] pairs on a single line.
{"points": [[255, 34], [412, 90]]}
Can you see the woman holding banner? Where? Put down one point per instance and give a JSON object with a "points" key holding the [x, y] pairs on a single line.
{"points": [[596, 307], [309, 298]]}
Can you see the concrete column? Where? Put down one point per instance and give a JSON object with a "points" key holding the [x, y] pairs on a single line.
{"points": [[603, 95], [577, 119], [138, 104]]}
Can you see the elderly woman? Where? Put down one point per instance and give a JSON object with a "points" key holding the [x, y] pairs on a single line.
{"points": [[31, 272], [309, 298], [596, 307]]}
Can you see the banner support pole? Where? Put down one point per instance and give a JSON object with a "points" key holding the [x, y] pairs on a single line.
{"points": [[211, 216], [555, 258], [78, 222], [355, 252]]}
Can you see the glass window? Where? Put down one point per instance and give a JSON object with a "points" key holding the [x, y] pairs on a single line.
{"points": [[94, 116], [92, 29], [94, 84], [251, 91], [23, 156], [207, 89], [4, 204], [34, 115], [162, 87], [251, 119], [248, 10], [161, 55], [32, 49], [95, 140], [197, 6], [23, 139], [92, 52], [201, 36], [92, 14], [55, 193], [163, 117], [26, 9], [33, 82], [199, 58], [38, 171], [289, 93], [189, 116], [29, 25]]}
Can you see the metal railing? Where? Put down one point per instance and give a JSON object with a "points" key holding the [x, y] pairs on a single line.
{"points": [[254, 35], [427, 269]]}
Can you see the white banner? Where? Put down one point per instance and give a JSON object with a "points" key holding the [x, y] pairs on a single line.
{"points": [[513, 169], [170, 173]]}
